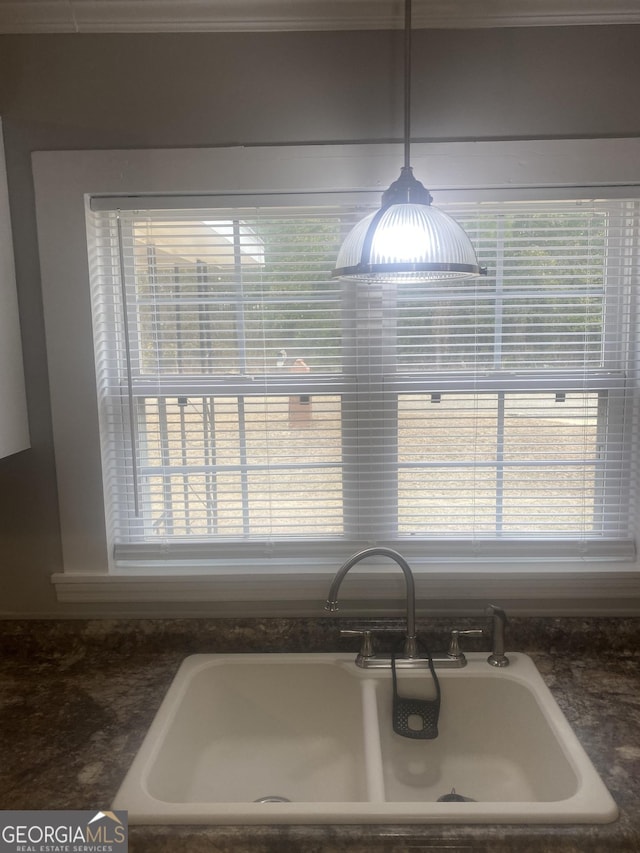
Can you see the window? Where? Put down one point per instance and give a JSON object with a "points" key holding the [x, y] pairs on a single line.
{"points": [[250, 405], [489, 434]]}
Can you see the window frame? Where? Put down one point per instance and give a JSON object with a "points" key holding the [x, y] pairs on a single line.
{"points": [[67, 182]]}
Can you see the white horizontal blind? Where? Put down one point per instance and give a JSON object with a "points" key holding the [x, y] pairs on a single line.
{"points": [[524, 430], [249, 403]]}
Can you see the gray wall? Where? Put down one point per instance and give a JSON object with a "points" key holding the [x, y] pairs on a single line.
{"points": [[123, 91]]}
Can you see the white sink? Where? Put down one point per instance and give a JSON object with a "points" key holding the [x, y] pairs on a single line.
{"points": [[245, 729], [313, 732]]}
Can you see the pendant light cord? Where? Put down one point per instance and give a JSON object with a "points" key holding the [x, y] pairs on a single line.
{"points": [[407, 83]]}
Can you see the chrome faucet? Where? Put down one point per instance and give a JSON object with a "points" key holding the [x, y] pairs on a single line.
{"points": [[410, 642], [453, 657]]}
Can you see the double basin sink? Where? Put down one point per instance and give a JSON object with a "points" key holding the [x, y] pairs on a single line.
{"points": [[308, 738]]}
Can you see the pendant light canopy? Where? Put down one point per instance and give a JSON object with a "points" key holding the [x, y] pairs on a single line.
{"points": [[407, 239]]}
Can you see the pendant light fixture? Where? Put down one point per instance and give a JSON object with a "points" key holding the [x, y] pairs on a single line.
{"points": [[407, 240]]}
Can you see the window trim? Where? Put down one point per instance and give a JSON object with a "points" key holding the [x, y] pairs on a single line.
{"points": [[67, 182]]}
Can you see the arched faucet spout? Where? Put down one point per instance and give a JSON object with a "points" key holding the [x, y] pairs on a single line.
{"points": [[410, 647]]}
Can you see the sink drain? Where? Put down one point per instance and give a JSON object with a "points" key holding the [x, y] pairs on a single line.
{"points": [[272, 798], [454, 797]]}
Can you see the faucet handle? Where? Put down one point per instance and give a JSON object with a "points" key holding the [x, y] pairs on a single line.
{"points": [[366, 649], [454, 650]]}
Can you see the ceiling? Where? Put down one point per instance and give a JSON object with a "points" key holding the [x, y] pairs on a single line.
{"points": [[114, 16]]}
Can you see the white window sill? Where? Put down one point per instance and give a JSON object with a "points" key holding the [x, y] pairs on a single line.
{"points": [[585, 590]]}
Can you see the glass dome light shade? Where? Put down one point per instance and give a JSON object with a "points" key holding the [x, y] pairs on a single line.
{"points": [[407, 242]]}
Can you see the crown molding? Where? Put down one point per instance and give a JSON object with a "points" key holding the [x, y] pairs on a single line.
{"points": [[120, 16]]}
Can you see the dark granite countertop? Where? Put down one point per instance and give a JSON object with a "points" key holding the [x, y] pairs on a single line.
{"points": [[76, 698]]}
